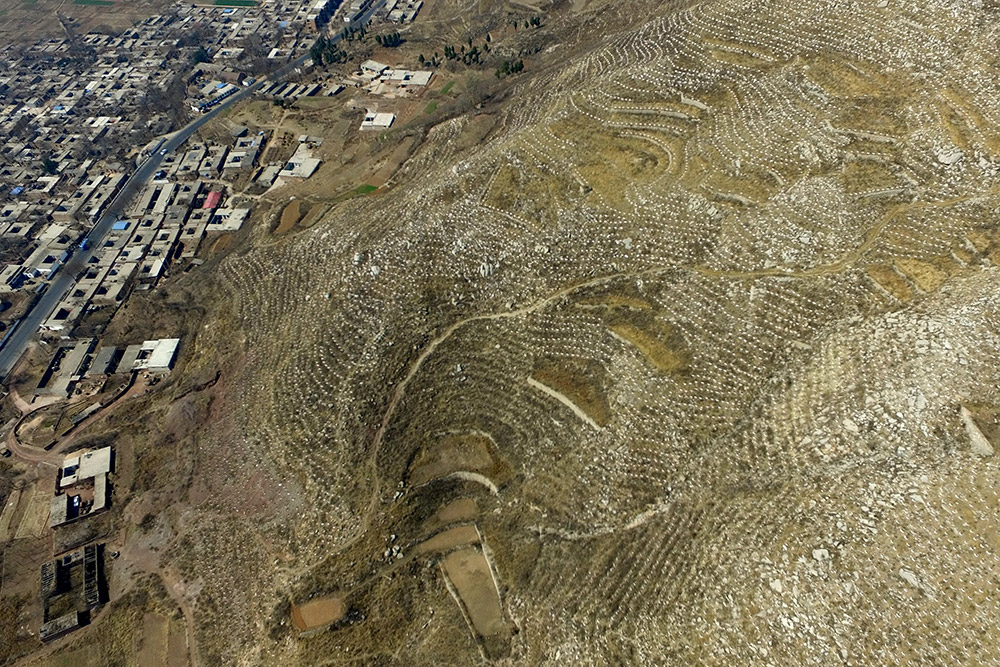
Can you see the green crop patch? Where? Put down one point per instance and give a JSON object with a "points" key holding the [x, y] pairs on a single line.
{"points": [[359, 191]]}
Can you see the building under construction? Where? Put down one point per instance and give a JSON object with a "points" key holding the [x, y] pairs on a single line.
{"points": [[72, 587]]}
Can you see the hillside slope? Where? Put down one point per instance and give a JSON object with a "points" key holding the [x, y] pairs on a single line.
{"points": [[669, 369]]}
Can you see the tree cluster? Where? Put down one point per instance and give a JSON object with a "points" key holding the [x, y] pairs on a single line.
{"points": [[351, 34], [509, 67], [326, 52], [200, 56], [472, 55]]}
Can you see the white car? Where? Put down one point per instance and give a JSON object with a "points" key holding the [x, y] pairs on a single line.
{"points": [[163, 152]]}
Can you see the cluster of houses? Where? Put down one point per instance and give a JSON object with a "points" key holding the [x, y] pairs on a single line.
{"points": [[78, 112], [76, 362], [402, 11], [166, 222]]}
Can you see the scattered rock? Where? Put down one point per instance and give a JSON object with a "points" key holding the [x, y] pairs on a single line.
{"points": [[909, 577], [977, 441]]}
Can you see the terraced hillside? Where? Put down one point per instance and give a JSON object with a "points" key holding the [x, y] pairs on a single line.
{"points": [[669, 369]]}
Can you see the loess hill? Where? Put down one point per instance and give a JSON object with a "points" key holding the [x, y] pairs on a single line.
{"points": [[691, 359]]}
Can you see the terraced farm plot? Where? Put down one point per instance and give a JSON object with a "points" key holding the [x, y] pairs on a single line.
{"points": [[293, 212], [35, 520], [461, 509], [449, 454], [24, 21], [7, 525], [449, 539], [318, 613], [578, 386], [469, 574]]}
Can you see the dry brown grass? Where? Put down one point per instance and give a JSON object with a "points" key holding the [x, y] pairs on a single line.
{"points": [[610, 162], [451, 453], [653, 348], [615, 301], [891, 282], [880, 115], [522, 191], [854, 79], [924, 275], [865, 175], [961, 105]]}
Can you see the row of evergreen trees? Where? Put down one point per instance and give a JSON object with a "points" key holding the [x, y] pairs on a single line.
{"points": [[472, 55], [390, 41]]}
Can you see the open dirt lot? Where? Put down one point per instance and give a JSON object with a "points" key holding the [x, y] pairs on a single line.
{"points": [[319, 612], [469, 573], [28, 20]]}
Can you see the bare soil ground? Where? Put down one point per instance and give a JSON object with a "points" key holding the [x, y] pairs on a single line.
{"points": [[469, 573], [319, 612], [451, 453], [449, 539], [28, 20], [460, 509], [291, 215]]}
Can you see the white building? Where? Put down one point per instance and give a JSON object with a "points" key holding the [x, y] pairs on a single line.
{"points": [[377, 121], [157, 356]]}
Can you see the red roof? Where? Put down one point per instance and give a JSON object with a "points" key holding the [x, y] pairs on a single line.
{"points": [[212, 200]]}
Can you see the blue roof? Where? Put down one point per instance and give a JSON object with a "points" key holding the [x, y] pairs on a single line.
{"points": [[18, 190], [119, 226]]}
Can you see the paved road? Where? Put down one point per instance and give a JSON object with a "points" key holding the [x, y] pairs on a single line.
{"points": [[17, 341]]}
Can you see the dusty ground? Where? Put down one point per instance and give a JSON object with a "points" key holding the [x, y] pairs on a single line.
{"points": [[30, 20]]}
